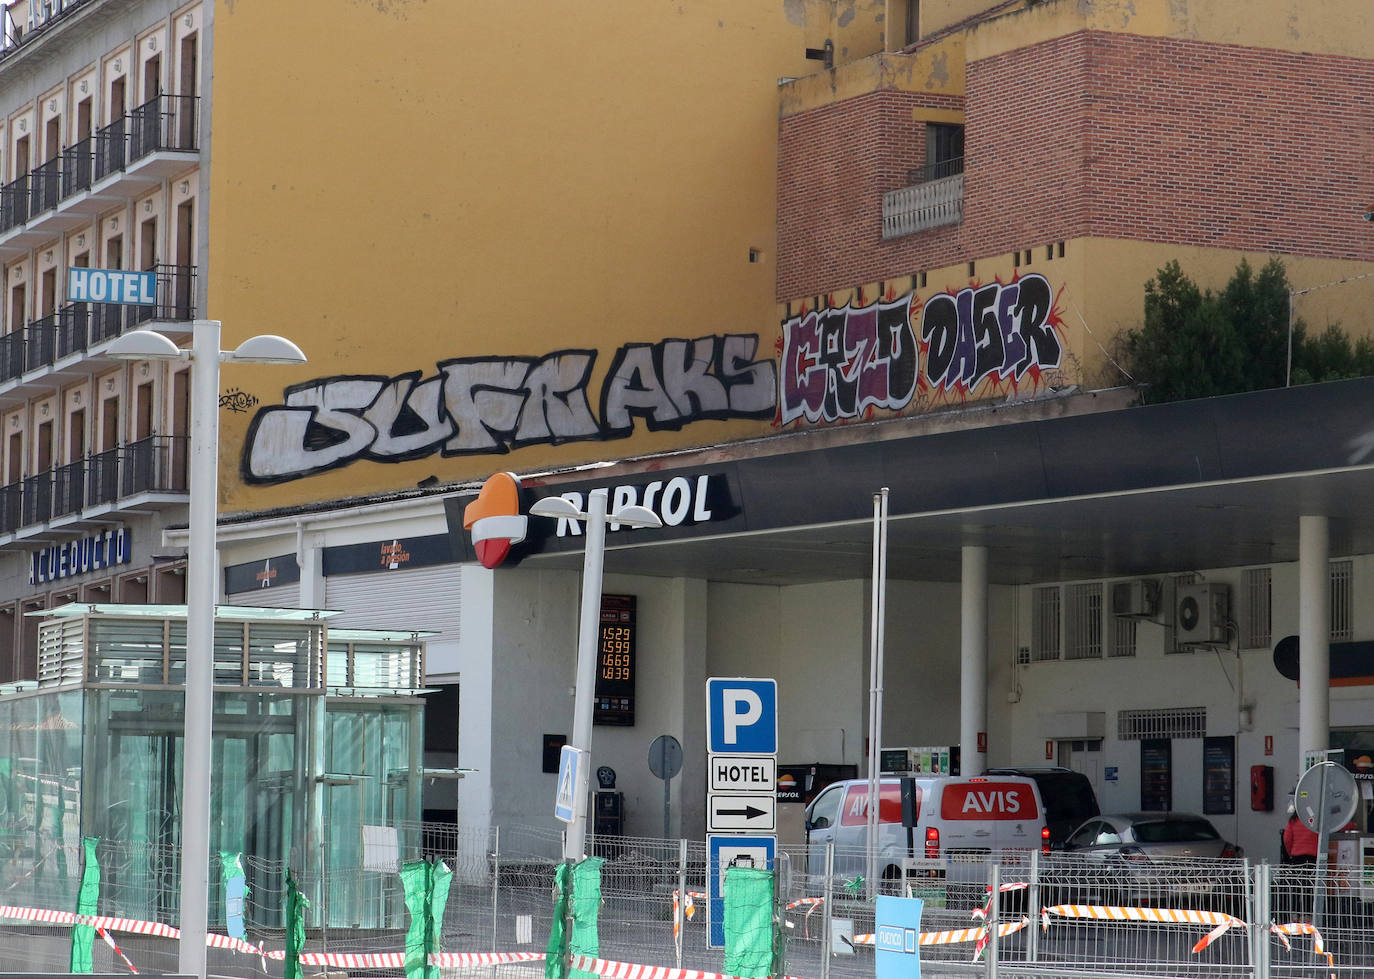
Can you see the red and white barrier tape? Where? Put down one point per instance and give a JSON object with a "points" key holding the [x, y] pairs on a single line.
{"points": [[1303, 928], [956, 936], [1177, 916], [105, 935]]}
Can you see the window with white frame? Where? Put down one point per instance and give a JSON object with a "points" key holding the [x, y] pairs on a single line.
{"points": [[1083, 621], [1045, 623], [1342, 595], [1256, 616]]}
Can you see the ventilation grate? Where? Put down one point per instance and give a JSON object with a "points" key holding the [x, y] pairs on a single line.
{"points": [[1175, 722]]}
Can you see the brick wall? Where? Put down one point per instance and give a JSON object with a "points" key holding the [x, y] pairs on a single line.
{"points": [[1103, 134]]}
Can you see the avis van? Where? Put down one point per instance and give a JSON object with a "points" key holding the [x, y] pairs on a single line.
{"points": [[930, 821]]}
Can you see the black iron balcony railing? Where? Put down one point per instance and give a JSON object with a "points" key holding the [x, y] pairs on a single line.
{"points": [[176, 291], [108, 320], [153, 465], [53, 14], [14, 203], [78, 163], [11, 507], [12, 355], [37, 499], [102, 477], [73, 329], [68, 489], [40, 346], [111, 144], [940, 169], [164, 122], [45, 186]]}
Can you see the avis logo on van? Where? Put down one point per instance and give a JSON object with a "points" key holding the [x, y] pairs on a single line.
{"points": [[988, 800]]}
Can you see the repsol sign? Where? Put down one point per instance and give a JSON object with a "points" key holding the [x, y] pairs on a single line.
{"points": [[79, 556], [690, 502]]}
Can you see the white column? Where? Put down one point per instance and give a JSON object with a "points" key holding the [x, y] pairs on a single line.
{"points": [[1314, 643], [973, 659]]}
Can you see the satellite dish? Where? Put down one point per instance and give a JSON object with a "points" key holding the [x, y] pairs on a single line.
{"points": [[1326, 797]]}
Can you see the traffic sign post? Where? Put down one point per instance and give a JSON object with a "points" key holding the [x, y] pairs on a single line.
{"points": [[665, 761], [742, 761]]}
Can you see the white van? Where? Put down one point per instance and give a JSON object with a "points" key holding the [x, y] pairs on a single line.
{"points": [[948, 818]]}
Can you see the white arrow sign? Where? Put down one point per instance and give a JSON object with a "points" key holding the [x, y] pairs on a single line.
{"points": [[757, 812]]}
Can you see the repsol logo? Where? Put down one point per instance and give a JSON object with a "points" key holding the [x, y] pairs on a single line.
{"points": [[679, 501]]}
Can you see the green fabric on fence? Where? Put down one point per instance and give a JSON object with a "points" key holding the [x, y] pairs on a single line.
{"points": [[296, 904], [748, 922], [426, 887], [586, 907], [87, 902], [556, 952]]}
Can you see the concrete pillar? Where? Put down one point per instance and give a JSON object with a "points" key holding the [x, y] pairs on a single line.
{"points": [[1314, 630], [973, 659]]}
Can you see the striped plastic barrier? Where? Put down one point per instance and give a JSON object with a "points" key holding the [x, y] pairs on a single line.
{"points": [[630, 970], [955, 936]]}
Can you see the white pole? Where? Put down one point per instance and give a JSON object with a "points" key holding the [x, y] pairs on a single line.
{"points": [[875, 690], [973, 658], [586, 665], [1314, 638], [200, 628]]}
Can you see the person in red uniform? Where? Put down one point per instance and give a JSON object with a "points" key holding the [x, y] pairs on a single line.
{"points": [[1299, 842]]}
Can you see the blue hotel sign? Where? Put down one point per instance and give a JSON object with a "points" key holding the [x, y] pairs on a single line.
{"points": [[111, 286], [79, 556]]}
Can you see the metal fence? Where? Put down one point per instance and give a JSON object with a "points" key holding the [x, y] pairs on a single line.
{"points": [[1057, 914]]}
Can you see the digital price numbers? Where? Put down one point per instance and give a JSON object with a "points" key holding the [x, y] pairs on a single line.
{"points": [[615, 661]]}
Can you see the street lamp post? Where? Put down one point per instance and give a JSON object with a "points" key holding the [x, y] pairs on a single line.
{"points": [[196, 752], [592, 563]]}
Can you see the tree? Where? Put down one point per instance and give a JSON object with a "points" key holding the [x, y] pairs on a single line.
{"points": [[1196, 344]]}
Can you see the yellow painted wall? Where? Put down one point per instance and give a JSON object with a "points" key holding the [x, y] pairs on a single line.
{"points": [[399, 183]]}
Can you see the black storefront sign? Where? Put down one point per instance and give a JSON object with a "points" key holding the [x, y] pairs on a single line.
{"points": [[615, 662], [258, 575], [1156, 775], [396, 554], [1219, 775]]}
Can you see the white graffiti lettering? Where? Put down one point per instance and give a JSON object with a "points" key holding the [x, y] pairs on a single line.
{"points": [[495, 404]]}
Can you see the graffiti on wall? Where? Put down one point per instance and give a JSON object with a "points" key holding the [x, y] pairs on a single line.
{"points": [[841, 363], [495, 404]]}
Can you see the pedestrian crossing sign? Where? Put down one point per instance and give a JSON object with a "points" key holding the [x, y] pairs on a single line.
{"points": [[570, 761]]}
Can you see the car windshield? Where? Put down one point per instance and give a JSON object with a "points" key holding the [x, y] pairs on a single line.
{"points": [[1175, 831]]}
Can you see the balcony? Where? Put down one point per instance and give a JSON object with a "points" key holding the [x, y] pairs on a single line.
{"points": [[151, 472], [70, 343], [936, 200], [132, 154]]}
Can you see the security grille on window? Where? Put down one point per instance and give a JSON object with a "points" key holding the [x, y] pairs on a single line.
{"points": [[1171, 643], [1341, 598], [1175, 722], [1122, 635], [1045, 623], [1083, 622], [1256, 586]]}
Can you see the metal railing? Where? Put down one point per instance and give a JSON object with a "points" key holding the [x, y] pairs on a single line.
{"points": [[11, 507], [927, 205], [937, 170], [153, 465], [78, 165], [68, 489], [73, 329], [14, 203], [111, 145], [102, 477], [40, 343], [164, 122], [37, 499], [45, 184], [175, 290], [12, 354]]}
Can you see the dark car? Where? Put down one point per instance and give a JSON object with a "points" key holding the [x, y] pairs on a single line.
{"points": [[1068, 797]]}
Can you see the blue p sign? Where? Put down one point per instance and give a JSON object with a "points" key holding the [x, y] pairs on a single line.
{"points": [[742, 716]]}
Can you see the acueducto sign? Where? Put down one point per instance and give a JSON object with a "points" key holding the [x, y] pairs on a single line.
{"points": [[79, 556]]}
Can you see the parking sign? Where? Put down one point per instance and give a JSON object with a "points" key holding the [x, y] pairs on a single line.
{"points": [[742, 715]]}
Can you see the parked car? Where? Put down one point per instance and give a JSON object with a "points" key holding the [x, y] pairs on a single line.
{"points": [[1138, 858], [1068, 797]]}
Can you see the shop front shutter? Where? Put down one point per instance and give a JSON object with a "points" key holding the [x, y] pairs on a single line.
{"points": [[282, 596], [421, 599]]}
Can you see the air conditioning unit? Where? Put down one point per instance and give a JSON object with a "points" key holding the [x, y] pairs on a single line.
{"points": [[1136, 599], [1201, 611]]}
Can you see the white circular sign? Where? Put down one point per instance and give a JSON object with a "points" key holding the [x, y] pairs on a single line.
{"points": [[1326, 797]]}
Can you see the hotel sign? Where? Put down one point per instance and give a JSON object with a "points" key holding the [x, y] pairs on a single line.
{"points": [[79, 556]]}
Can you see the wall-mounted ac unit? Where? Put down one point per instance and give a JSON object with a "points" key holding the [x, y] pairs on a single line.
{"points": [[1201, 611], [1137, 599]]}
